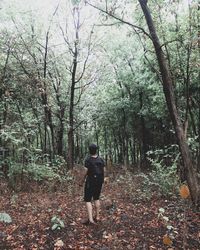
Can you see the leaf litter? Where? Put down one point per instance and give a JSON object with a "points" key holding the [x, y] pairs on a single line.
{"points": [[126, 222]]}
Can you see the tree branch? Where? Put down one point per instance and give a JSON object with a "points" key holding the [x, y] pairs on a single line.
{"points": [[119, 19]]}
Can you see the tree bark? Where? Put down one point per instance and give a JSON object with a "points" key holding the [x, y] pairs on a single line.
{"points": [[191, 174], [144, 145], [71, 109], [75, 79]]}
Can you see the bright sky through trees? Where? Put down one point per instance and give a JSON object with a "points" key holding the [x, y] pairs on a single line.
{"points": [[45, 7]]}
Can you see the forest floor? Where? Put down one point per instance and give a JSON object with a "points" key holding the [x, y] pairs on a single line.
{"points": [[129, 220]]}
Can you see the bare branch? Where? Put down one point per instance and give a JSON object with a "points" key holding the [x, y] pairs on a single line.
{"points": [[6, 63], [46, 53], [87, 84], [78, 125], [172, 41], [66, 40], [120, 19], [88, 54], [108, 24]]}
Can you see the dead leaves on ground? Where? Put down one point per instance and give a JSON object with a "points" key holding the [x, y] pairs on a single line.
{"points": [[124, 224]]}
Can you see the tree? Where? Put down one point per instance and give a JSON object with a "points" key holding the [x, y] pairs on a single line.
{"points": [[191, 174], [80, 52]]}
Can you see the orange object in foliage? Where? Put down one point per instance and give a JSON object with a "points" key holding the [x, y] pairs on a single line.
{"points": [[166, 240], [184, 191]]}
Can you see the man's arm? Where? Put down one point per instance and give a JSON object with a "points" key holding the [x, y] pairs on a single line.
{"points": [[83, 177]]}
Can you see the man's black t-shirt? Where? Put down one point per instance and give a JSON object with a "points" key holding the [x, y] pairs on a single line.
{"points": [[95, 166]]}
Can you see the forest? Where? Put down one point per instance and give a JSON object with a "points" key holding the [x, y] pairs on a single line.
{"points": [[123, 74]]}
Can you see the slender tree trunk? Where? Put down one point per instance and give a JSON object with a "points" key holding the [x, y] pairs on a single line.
{"points": [[198, 160], [96, 134], [45, 137], [131, 145], [47, 110], [115, 146], [49, 145], [106, 144], [60, 139], [70, 155], [3, 92], [191, 174], [52, 138], [120, 151], [144, 146], [198, 18]]}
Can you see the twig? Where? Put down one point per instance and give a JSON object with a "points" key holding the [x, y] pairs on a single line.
{"points": [[120, 19]]}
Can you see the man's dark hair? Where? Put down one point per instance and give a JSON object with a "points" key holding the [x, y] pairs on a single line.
{"points": [[93, 149]]}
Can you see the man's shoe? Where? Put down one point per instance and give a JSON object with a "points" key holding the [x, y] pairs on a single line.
{"points": [[88, 223]]}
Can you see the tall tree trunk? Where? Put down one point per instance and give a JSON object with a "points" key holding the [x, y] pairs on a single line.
{"points": [[70, 153], [198, 18], [96, 134], [45, 137], [70, 156], [47, 109], [60, 139], [144, 146], [105, 145], [190, 171], [74, 81], [120, 151], [116, 150]]}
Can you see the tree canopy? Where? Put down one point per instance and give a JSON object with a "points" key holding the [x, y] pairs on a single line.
{"points": [[76, 72]]}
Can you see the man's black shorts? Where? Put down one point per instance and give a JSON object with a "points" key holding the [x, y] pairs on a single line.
{"points": [[93, 187]]}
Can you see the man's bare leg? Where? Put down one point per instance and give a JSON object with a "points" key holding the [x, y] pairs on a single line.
{"points": [[89, 210], [97, 206]]}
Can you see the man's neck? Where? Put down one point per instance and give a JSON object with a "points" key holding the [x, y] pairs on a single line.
{"points": [[94, 156]]}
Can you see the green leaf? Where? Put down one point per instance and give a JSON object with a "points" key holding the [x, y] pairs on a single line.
{"points": [[4, 217], [169, 227], [75, 2], [161, 210], [165, 218], [62, 224], [54, 227], [53, 219]]}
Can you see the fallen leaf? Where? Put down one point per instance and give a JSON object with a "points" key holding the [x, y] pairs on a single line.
{"points": [[184, 191], [166, 240], [59, 243], [73, 223]]}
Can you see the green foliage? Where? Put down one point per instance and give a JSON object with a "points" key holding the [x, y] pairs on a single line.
{"points": [[58, 161], [124, 101], [41, 172], [56, 223], [76, 2], [14, 199], [33, 171], [163, 178], [4, 217], [193, 143]]}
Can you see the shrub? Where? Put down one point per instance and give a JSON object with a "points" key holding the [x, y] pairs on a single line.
{"points": [[163, 179]]}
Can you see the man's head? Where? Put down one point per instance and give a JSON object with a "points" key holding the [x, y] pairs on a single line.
{"points": [[93, 149]]}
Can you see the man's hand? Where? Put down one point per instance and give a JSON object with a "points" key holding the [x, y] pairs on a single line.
{"points": [[81, 184], [83, 180]]}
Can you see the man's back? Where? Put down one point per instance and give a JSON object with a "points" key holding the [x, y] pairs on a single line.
{"points": [[95, 165]]}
